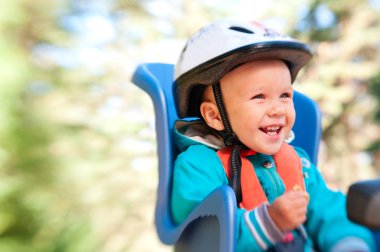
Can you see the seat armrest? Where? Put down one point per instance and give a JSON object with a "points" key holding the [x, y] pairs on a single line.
{"points": [[220, 203]]}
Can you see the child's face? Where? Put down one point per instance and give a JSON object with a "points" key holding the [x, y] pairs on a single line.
{"points": [[258, 99]]}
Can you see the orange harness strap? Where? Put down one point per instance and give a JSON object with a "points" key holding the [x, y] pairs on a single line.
{"points": [[288, 166]]}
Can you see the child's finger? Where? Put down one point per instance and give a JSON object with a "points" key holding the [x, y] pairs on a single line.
{"points": [[298, 188]]}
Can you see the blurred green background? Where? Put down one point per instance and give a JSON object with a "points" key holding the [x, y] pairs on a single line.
{"points": [[78, 165]]}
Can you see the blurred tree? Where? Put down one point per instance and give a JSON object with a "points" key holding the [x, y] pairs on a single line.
{"points": [[30, 194], [374, 147], [345, 37]]}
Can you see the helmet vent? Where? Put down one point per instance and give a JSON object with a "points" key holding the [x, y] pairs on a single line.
{"points": [[241, 29]]}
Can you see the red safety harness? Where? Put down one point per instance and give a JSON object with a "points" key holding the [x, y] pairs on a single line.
{"points": [[288, 166]]}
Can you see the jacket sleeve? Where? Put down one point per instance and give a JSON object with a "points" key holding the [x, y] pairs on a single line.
{"points": [[197, 172], [327, 221]]}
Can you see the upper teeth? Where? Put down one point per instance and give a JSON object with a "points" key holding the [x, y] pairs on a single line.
{"points": [[273, 128]]}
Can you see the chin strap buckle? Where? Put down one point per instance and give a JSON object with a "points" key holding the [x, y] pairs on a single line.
{"points": [[229, 138]]}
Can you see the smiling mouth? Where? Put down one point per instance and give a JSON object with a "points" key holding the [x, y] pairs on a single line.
{"points": [[272, 130]]}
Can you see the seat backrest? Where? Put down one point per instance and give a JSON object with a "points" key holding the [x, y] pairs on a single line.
{"points": [[157, 79]]}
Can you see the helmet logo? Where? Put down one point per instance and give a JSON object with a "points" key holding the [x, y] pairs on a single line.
{"points": [[267, 32], [271, 33]]}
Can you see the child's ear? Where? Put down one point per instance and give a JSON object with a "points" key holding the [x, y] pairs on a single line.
{"points": [[211, 115]]}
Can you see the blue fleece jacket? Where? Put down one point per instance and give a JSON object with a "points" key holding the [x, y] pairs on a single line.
{"points": [[198, 171]]}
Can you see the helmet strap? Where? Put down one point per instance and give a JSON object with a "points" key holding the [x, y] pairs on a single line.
{"points": [[235, 167], [230, 139]]}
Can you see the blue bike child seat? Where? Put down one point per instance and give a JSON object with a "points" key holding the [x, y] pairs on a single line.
{"points": [[212, 225]]}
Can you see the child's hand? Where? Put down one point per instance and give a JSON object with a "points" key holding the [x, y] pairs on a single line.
{"points": [[289, 210]]}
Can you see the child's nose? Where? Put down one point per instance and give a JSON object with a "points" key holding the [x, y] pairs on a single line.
{"points": [[276, 109]]}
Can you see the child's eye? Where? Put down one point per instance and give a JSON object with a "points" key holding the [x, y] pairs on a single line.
{"points": [[286, 95], [259, 96]]}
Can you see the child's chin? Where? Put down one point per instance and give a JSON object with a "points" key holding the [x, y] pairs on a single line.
{"points": [[271, 151]]}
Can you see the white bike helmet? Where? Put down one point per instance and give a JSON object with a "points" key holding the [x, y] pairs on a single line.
{"points": [[219, 47]]}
